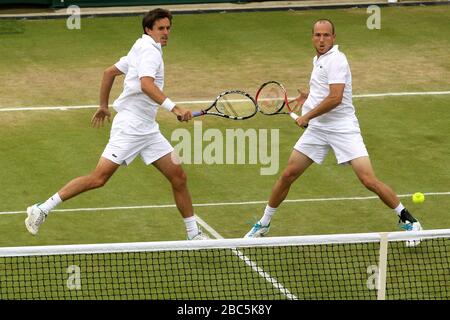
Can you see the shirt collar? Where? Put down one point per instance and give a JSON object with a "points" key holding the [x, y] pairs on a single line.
{"points": [[149, 39], [334, 49]]}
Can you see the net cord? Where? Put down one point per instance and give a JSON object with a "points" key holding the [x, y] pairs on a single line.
{"points": [[220, 243]]}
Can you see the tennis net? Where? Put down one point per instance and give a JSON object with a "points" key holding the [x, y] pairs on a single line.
{"points": [[349, 266]]}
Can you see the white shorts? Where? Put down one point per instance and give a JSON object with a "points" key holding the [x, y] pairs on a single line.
{"points": [[123, 148], [315, 144]]}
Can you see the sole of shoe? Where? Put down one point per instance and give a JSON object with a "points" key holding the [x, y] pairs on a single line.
{"points": [[414, 243], [27, 222], [29, 227]]}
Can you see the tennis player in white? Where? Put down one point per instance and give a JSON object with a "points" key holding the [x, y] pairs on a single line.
{"points": [[134, 130], [331, 123]]}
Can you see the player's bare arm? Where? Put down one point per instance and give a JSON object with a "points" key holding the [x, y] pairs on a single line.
{"points": [[149, 87], [333, 99], [103, 112]]}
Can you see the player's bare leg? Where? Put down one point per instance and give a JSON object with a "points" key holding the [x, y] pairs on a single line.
{"points": [[96, 179], [178, 179], [365, 173], [297, 164], [37, 213]]}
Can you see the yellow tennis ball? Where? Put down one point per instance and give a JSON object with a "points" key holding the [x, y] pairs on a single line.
{"points": [[418, 197]]}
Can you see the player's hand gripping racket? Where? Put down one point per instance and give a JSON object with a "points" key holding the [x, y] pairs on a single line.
{"points": [[272, 99], [233, 104]]}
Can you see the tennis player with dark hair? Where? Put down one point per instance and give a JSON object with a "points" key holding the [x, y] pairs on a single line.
{"points": [[329, 113], [134, 130]]}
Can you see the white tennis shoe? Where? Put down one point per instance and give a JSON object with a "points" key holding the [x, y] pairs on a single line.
{"points": [[414, 226], [257, 231], [36, 216]]}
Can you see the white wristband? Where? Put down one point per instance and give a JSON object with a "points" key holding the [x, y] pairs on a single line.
{"points": [[168, 104]]}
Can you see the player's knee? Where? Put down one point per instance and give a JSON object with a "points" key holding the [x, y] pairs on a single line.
{"points": [[370, 183], [179, 179], [289, 176], [97, 181]]}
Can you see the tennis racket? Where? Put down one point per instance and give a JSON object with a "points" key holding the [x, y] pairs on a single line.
{"points": [[233, 104], [272, 99]]}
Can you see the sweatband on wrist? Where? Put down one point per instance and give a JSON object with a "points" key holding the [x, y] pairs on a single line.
{"points": [[168, 104]]}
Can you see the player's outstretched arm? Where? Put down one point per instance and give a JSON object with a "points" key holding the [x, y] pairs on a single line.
{"points": [[102, 112]]}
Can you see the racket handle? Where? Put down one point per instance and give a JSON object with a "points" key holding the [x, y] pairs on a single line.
{"points": [[194, 114], [295, 117]]}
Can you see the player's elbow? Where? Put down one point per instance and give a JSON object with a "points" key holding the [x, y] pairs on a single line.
{"points": [[336, 99], [111, 72], [144, 88]]}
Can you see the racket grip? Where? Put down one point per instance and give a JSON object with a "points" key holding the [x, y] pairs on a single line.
{"points": [[194, 114], [293, 116]]}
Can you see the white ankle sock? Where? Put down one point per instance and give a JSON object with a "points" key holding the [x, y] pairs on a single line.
{"points": [[399, 209], [51, 203], [191, 226], [268, 213]]}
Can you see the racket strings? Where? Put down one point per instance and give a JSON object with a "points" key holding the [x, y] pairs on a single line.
{"points": [[270, 99], [236, 105], [229, 107]]}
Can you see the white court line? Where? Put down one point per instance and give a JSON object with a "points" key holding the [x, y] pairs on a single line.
{"points": [[208, 102], [224, 204], [400, 94], [249, 262]]}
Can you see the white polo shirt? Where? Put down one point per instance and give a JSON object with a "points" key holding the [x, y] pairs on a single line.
{"points": [[331, 68], [136, 110]]}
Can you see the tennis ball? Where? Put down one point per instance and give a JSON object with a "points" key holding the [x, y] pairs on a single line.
{"points": [[418, 197]]}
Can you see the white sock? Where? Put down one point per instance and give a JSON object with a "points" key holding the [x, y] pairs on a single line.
{"points": [[51, 203], [399, 209], [268, 213], [191, 226]]}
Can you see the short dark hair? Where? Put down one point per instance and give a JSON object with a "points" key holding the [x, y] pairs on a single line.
{"points": [[152, 16], [324, 20]]}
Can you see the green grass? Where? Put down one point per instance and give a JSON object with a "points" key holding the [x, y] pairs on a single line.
{"points": [[407, 137], [54, 65], [407, 152]]}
